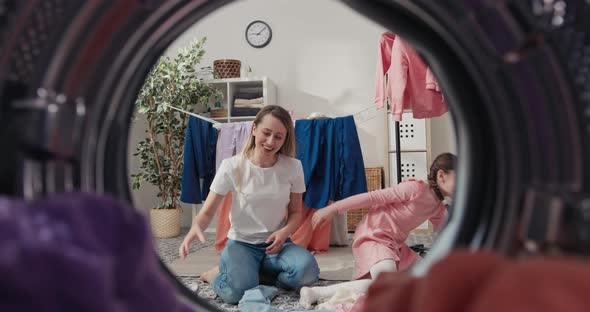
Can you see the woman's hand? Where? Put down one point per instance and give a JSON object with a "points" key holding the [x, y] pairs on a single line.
{"points": [[277, 238], [323, 216], [193, 233]]}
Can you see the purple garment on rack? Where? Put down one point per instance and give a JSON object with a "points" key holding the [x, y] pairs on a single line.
{"points": [[79, 252], [233, 137]]}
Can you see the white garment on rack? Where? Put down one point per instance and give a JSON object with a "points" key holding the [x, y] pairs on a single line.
{"points": [[339, 230]]}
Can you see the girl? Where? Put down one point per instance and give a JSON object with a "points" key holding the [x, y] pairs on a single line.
{"points": [[267, 185], [379, 238]]}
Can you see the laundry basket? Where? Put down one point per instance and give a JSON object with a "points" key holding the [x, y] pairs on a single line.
{"points": [[374, 182]]}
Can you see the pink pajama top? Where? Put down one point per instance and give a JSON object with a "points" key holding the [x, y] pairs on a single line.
{"points": [[383, 90], [393, 213], [413, 86]]}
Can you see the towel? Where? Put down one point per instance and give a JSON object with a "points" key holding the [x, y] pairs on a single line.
{"points": [[238, 101]]}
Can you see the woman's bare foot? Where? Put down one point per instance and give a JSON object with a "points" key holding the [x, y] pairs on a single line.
{"points": [[209, 275]]}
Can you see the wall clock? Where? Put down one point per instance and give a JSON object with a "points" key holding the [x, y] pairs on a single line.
{"points": [[258, 34]]}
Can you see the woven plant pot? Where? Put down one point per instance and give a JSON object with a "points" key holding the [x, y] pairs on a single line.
{"points": [[227, 68], [165, 223]]}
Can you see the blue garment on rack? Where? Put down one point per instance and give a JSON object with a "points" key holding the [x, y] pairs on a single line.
{"points": [[199, 160], [330, 152]]}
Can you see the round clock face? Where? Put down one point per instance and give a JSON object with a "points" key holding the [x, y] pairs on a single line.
{"points": [[258, 34]]}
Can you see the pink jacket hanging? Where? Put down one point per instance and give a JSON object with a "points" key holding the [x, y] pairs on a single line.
{"points": [[383, 65], [412, 84], [431, 83]]}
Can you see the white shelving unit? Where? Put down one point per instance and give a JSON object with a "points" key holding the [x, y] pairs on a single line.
{"points": [[230, 86], [415, 151], [415, 147]]}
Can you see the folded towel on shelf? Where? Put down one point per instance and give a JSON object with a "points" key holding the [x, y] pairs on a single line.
{"points": [[239, 101], [247, 95], [249, 105], [242, 112]]}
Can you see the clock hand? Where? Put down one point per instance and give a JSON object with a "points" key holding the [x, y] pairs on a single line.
{"points": [[261, 31]]}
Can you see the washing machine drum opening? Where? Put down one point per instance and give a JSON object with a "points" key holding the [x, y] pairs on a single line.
{"points": [[515, 76]]}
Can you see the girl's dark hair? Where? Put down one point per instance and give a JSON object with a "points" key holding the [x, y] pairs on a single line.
{"points": [[445, 162]]}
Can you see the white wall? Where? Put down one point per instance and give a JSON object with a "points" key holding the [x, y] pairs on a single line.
{"points": [[322, 57], [442, 133]]}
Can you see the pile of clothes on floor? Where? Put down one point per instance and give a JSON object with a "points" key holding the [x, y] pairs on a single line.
{"points": [[80, 252], [259, 299], [90, 253]]}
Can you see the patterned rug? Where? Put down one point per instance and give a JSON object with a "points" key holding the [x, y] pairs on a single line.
{"points": [[287, 300]]}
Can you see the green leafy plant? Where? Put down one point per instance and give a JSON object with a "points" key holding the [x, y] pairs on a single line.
{"points": [[171, 82]]}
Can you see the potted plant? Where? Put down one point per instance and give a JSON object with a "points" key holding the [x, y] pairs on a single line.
{"points": [[171, 82]]}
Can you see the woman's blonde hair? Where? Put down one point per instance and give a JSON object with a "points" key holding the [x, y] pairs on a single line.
{"points": [[288, 148]]}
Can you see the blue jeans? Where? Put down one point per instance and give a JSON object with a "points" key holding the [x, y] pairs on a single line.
{"points": [[241, 264]]}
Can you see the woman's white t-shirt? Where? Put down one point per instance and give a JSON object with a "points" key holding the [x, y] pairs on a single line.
{"points": [[260, 200]]}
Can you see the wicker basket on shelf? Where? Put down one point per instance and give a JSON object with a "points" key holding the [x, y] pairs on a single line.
{"points": [[227, 68], [374, 182], [218, 113]]}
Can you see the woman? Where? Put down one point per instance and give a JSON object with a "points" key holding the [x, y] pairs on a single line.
{"points": [[267, 185]]}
